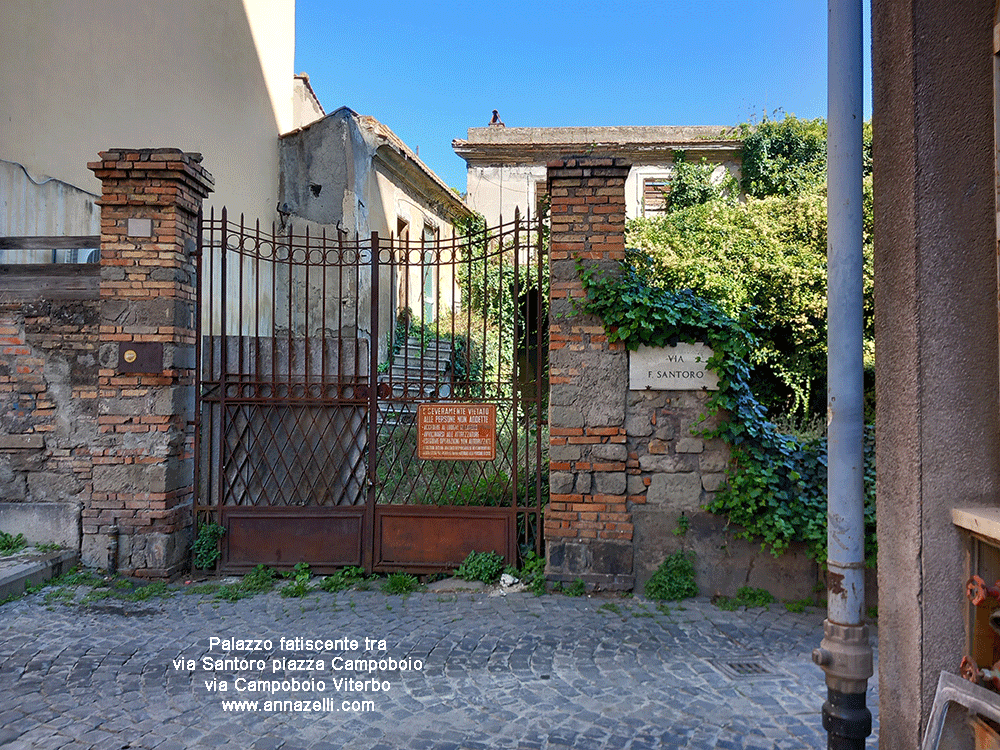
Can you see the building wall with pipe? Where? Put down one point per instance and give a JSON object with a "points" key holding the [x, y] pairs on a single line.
{"points": [[936, 290]]}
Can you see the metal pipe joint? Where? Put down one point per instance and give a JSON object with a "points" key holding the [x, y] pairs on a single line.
{"points": [[845, 656]]}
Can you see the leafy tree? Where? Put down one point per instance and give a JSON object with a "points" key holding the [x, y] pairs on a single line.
{"points": [[763, 260], [692, 184]]}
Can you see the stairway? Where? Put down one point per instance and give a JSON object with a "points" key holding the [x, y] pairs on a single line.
{"points": [[420, 372]]}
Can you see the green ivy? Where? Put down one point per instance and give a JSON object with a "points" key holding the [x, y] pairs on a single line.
{"points": [[776, 487]]}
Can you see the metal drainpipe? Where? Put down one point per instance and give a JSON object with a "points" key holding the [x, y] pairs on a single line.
{"points": [[845, 653]]}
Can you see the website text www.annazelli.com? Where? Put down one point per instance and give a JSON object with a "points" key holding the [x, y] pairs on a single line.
{"points": [[323, 705]]}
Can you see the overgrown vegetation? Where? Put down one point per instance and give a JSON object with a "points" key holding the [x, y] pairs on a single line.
{"points": [[674, 579], [749, 279], [763, 260], [257, 581], [344, 578], [205, 550], [532, 573], [746, 596], [300, 576], [481, 566]]}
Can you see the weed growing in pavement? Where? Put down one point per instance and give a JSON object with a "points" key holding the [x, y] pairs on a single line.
{"points": [[481, 566], [798, 606], [48, 547], [205, 550], [610, 607], [532, 573], [10, 544], [257, 581], [746, 596], [400, 583], [344, 578], [300, 576]]}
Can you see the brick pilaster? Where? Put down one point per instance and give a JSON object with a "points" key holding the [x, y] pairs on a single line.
{"points": [[143, 475], [588, 526]]}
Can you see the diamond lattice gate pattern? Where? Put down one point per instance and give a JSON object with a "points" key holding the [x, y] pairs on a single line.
{"points": [[371, 402]]}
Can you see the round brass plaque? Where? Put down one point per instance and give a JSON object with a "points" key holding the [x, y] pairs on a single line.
{"points": [[129, 356]]}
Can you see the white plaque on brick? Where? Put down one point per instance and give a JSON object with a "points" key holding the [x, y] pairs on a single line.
{"points": [[671, 368]]}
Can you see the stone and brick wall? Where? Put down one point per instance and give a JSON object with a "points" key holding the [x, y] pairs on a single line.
{"points": [[48, 405], [588, 527], [628, 480], [97, 378], [143, 475]]}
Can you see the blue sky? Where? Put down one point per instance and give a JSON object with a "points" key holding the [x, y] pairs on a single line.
{"points": [[432, 70]]}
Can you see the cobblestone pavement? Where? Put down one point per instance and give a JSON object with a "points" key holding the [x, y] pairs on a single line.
{"points": [[514, 671]]}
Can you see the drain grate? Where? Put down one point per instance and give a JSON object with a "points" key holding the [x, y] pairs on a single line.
{"points": [[745, 668]]}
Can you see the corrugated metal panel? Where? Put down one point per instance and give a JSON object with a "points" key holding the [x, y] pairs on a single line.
{"points": [[44, 207]]}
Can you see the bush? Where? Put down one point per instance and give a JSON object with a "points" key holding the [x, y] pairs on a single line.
{"points": [[674, 579]]}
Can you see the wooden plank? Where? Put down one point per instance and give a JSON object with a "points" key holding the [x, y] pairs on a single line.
{"points": [[51, 281], [49, 243]]}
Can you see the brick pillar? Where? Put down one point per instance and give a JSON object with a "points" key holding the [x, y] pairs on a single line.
{"points": [[588, 527], [143, 471]]}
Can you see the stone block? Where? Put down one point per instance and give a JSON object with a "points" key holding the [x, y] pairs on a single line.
{"points": [[565, 416], [635, 484], [712, 482], [168, 476], [13, 485], [52, 487], [668, 464], [638, 425], [689, 445], [609, 483], [657, 447], [609, 452], [43, 522], [563, 394], [568, 452], [713, 462], [675, 491], [561, 482], [584, 483], [665, 430], [611, 558], [174, 400]]}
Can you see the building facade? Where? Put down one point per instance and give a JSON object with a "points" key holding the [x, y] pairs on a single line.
{"points": [[507, 166]]}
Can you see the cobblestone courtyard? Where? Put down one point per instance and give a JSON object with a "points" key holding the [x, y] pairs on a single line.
{"points": [[514, 671]]}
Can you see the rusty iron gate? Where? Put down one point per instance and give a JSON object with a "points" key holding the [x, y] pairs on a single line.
{"points": [[316, 353]]}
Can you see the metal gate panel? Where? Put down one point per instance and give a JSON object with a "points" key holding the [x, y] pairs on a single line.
{"points": [[419, 538], [326, 538]]}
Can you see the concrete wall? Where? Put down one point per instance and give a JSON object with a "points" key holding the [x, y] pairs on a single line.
{"points": [[936, 335], [214, 77]]}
